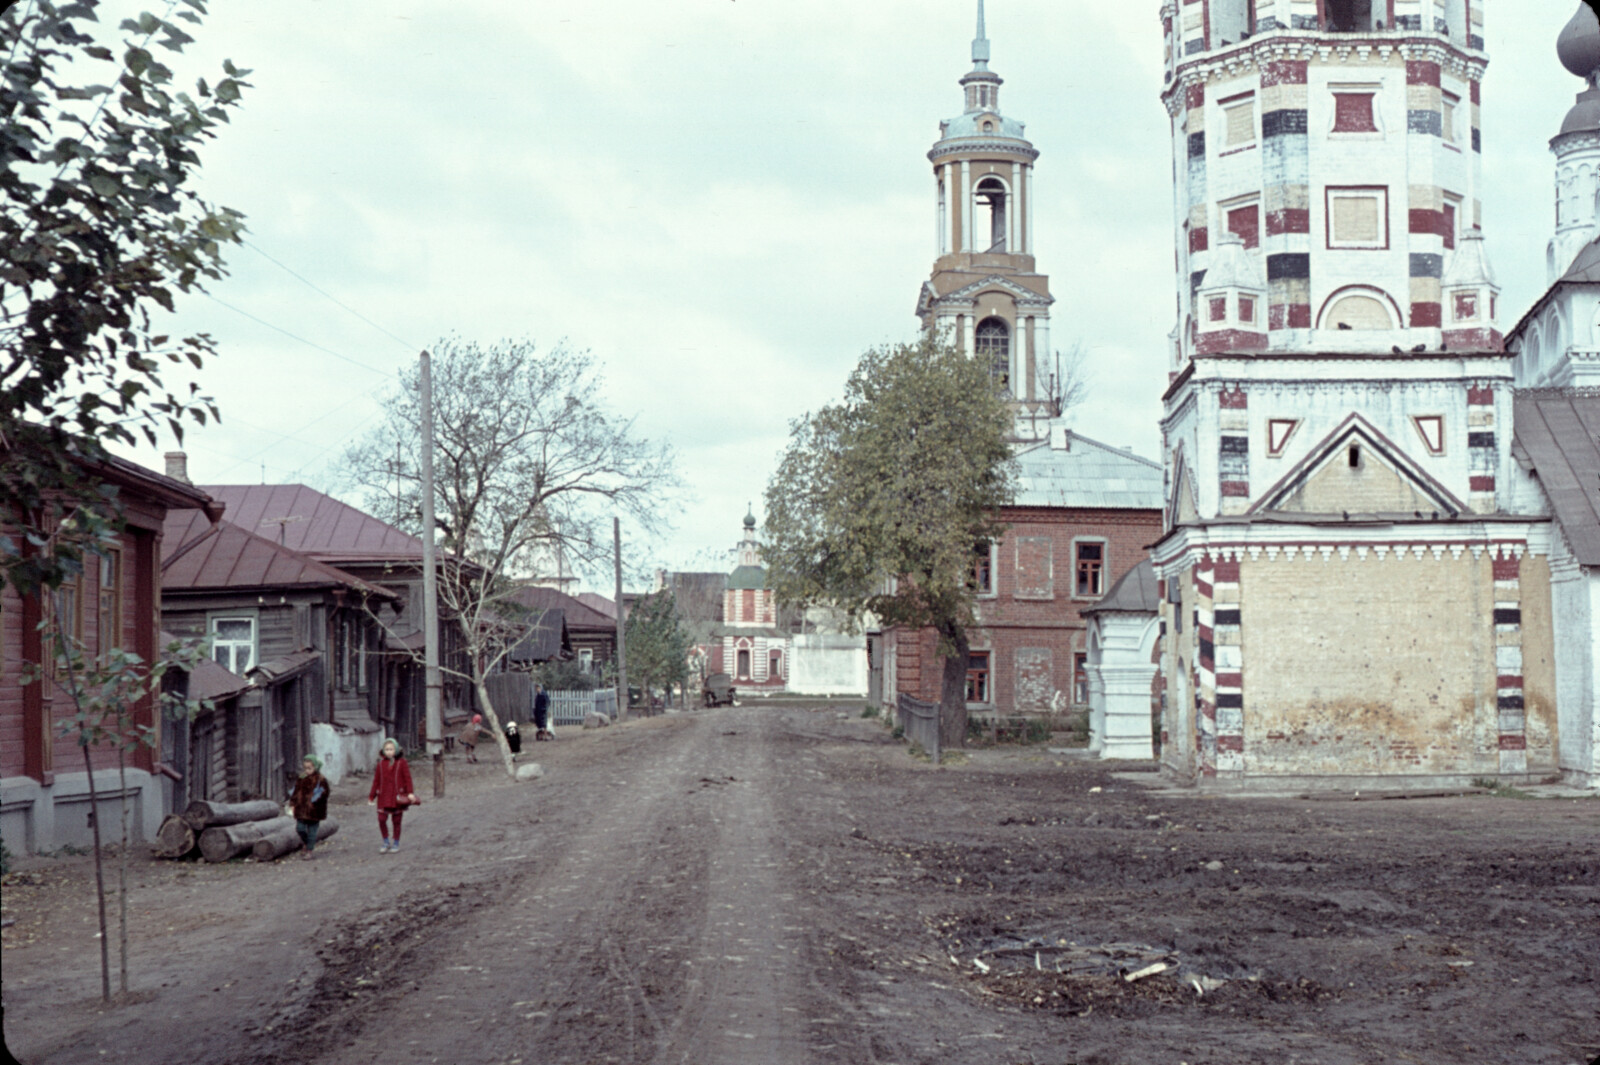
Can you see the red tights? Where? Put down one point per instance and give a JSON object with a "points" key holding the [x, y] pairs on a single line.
{"points": [[383, 822]]}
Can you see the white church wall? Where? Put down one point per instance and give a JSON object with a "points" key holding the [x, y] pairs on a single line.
{"points": [[1575, 595], [822, 664]]}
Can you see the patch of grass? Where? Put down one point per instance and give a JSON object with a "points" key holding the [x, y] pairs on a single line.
{"points": [[870, 711], [916, 751], [899, 732], [1497, 790]]}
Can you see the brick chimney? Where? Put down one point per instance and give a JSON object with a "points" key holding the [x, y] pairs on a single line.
{"points": [[178, 466]]}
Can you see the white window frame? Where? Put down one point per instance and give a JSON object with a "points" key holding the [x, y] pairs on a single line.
{"points": [[254, 622]]}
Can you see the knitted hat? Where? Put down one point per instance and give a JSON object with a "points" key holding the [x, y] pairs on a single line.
{"points": [[388, 740], [316, 763], [477, 719]]}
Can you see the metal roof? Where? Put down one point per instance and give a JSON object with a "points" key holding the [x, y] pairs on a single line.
{"points": [[314, 523], [1136, 593], [1086, 474], [745, 578], [198, 555], [579, 616], [1559, 432]]}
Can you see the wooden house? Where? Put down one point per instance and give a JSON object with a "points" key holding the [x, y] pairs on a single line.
{"points": [[308, 635], [44, 800]]}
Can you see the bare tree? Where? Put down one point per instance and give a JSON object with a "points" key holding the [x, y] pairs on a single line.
{"points": [[529, 467]]}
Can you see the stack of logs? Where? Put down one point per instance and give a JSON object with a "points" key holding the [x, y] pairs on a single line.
{"points": [[220, 831]]}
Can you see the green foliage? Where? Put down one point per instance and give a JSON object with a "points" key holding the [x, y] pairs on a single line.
{"points": [[658, 645], [566, 675], [900, 480], [100, 227], [869, 711]]}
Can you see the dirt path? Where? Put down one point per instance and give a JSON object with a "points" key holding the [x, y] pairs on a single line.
{"points": [[773, 886]]}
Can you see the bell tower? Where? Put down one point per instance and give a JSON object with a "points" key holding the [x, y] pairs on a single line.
{"points": [[985, 294]]}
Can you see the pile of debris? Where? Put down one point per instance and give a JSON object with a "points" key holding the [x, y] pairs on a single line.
{"points": [[222, 831], [1133, 962]]}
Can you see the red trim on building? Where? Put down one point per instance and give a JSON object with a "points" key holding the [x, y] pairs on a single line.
{"points": [[1230, 340], [1230, 680], [1199, 239], [1285, 72], [1227, 573], [1508, 682], [1436, 223], [1230, 743], [1508, 569], [1422, 72], [1288, 220], [1426, 315], [1516, 742], [1237, 399], [1236, 489], [1480, 396], [1482, 484], [1195, 97], [1483, 339]]}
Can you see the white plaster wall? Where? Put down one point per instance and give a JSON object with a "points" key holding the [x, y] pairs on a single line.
{"points": [[1121, 672], [35, 817], [821, 664], [1575, 606], [344, 751]]}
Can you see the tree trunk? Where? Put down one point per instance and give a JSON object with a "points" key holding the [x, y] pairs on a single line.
{"points": [[285, 840], [953, 688], [494, 725], [221, 843], [122, 874], [99, 878], [203, 813], [174, 839]]}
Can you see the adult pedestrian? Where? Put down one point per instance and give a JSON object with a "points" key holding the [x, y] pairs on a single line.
{"points": [[309, 804], [541, 714], [391, 793]]}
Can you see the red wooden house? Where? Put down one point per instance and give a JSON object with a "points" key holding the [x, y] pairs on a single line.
{"points": [[44, 788]]}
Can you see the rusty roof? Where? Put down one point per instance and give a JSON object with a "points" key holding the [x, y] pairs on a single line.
{"points": [[199, 555], [579, 616], [314, 523], [1559, 433]]}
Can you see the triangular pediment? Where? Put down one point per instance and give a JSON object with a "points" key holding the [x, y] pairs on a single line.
{"points": [[926, 299], [1021, 293], [1356, 469]]}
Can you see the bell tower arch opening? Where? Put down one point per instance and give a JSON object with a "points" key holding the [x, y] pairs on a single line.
{"points": [[992, 197], [1350, 16]]}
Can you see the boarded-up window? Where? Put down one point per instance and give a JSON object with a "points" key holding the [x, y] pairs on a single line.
{"points": [[1448, 109], [1246, 222], [1034, 567], [1036, 684], [1247, 309], [1352, 113], [1466, 306], [1219, 308], [1240, 123], [1358, 218]]}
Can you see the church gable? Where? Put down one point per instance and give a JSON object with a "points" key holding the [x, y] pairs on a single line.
{"points": [[1356, 469], [996, 283], [1182, 507]]}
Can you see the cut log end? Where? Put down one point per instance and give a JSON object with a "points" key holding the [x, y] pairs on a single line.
{"points": [[174, 839]]}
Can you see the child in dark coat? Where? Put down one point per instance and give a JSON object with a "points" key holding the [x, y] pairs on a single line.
{"points": [[309, 803], [513, 738]]}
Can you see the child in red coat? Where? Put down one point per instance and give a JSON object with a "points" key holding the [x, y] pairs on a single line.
{"points": [[391, 793]]}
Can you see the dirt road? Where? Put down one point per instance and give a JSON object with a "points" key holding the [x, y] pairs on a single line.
{"points": [[769, 885]]}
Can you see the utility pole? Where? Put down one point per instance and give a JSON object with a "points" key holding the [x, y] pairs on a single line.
{"points": [[430, 591], [622, 625]]}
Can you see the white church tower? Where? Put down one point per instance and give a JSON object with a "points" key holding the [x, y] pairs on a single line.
{"points": [[1352, 588]]}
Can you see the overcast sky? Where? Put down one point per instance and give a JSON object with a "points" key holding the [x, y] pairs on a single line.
{"points": [[726, 201]]}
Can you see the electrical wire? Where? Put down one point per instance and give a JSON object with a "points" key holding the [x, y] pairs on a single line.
{"points": [[330, 297], [301, 339]]}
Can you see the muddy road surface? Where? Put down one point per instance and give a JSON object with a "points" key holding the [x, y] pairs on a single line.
{"points": [[770, 885]]}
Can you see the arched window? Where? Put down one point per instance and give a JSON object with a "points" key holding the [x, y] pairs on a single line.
{"points": [[994, 348], [743, 660], [1360, 307], [991, 196]]}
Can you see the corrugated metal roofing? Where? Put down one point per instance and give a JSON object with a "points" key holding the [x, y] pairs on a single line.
{"points": [[1087, 474], [313, 523], [1560, 434], [546, 638], [198, 555], [1137, 592]]}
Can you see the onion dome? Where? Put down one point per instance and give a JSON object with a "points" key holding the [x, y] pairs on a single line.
{"points": [[1579, 43]]}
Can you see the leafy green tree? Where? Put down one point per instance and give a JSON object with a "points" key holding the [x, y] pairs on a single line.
{"points": [[101, 227], [658, 644], [878, 501]]}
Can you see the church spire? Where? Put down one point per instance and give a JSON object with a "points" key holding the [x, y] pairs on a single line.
{"points": [[980, 44]]}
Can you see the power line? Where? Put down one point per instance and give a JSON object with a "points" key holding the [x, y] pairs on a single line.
{"points": [[329, 296], [301, 339]]}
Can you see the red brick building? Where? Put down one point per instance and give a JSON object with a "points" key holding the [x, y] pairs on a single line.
{"points": [[1083, 516]]}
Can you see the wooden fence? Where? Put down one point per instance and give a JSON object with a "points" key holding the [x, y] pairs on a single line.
{"points": [[920, 723]]}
